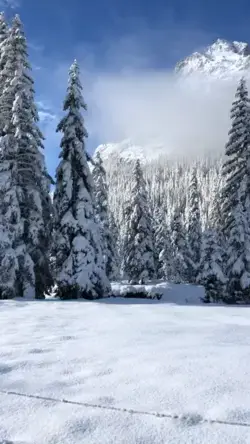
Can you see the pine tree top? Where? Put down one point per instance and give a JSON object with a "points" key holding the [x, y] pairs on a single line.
{"points": [[73, 122], [139, 181], [3, 26], [239, 133], [14, 49]]}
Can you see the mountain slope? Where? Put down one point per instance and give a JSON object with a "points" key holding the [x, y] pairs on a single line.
{"points": [[129, 151], [221, 59]]}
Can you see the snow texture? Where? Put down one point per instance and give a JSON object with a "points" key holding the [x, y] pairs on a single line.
{"points": [[146, 372]]}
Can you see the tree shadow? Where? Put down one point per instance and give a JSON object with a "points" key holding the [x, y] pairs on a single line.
{"points": [[173, 295], [7, 441]]}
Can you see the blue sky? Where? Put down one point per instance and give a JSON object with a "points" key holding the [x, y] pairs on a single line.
{"points": [[113, 37]]}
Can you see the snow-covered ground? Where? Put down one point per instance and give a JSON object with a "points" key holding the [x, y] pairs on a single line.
{"points": [[123, 362]]}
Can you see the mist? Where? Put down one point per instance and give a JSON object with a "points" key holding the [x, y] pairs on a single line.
{"points": [[186, 116], [129, 98]]}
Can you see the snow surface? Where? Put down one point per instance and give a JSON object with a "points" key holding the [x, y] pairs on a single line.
{"points": [[128, 358]]}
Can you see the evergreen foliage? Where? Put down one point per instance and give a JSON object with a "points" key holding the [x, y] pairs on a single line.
{"points": [[194, 230], [211, 273], [179, 247], [138, 253], [22, 169], [79, 257], [109, 242], [235, 199]]}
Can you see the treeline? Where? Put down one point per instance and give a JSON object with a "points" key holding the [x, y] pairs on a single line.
{"points": [[199, 212], [180, 222]]}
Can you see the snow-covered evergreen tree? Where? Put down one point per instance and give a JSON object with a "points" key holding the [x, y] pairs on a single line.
{"points": [[9, 265], [3, 36], [23, 162], [114, 242], [77, 239], [167, 183], [235, 199], [3, 28], [237, 165], [179, 246], [16, 265], [194, 233], [238, 253], [215, 215], [167, 258], [211, 273], [102, 212], [159, 240], [138, 255], [3, 56]]}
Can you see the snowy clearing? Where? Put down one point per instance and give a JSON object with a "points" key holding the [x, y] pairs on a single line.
{"points": [[126, 362]]}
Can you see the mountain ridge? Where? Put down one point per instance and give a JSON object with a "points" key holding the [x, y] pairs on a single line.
{"points": [[222, 59]]}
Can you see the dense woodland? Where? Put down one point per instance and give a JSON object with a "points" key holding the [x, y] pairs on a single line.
{"points": [[170, 220]]}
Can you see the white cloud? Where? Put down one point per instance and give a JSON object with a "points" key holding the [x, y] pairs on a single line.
{"points": [[128, 97], [37, 47], [13, 4], [153, 106], [46, 116], [46, 113], [48, 123]]}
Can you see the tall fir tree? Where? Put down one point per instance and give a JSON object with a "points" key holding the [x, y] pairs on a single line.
{"points": [[235, 199], [167, 258], [3, 36], [3, 55], [238, 253], [211, 274], [115, 241], [237, 165], [215, 197], [23, 162], [138, 254], [3, 28], [194, 234], [179, 246], [102, 213], [77, 238], [160, 239], [16, 265]]}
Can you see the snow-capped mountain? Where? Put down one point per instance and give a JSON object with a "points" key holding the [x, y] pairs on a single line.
{"points": [[127, 150], [222, 60]]}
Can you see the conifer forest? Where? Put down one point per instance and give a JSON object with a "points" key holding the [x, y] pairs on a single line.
{"points": [[99, 221]]}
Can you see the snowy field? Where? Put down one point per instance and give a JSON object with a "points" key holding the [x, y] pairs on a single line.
{"points": [[143, 372]]}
